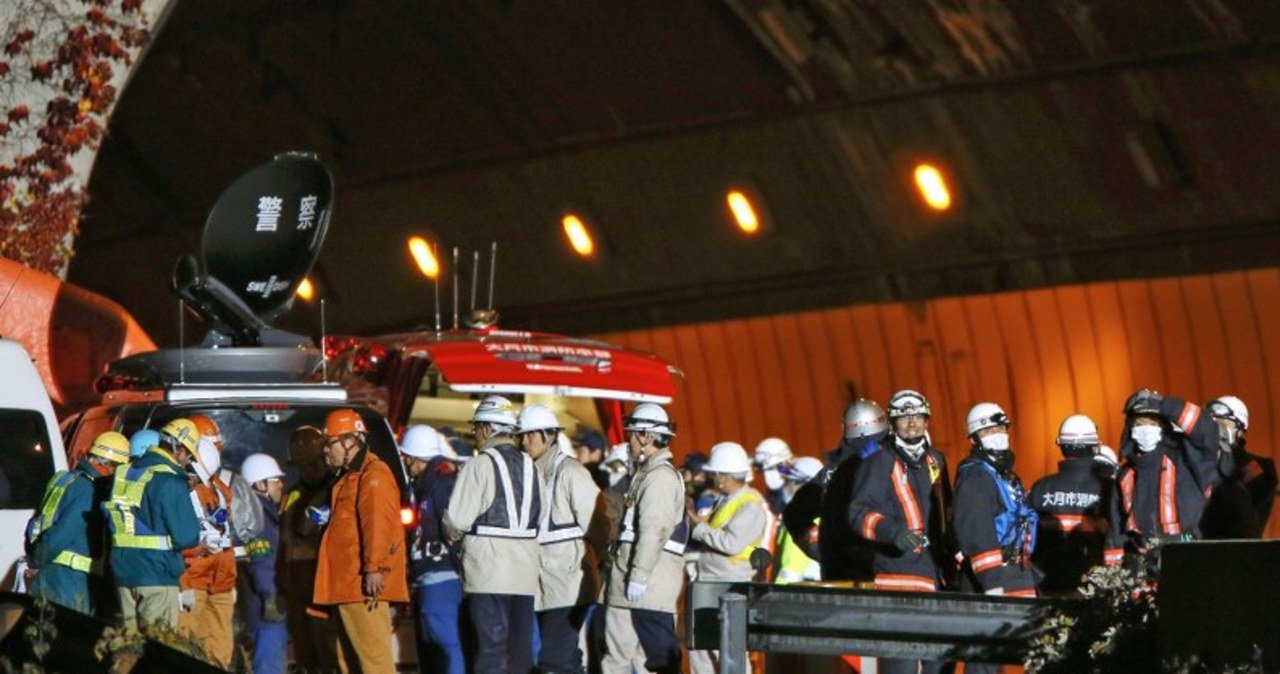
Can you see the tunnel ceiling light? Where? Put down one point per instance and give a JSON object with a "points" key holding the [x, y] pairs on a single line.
{"points": [[579, 237], [305, 290], [933, 187], [424, 256], [744, 214]]}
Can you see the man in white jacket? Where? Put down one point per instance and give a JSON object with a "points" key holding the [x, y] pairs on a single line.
{"points": [[648, 557], [571, 536], [735, 528]]}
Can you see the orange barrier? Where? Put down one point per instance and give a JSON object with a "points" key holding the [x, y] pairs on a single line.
{"points": [[1043, 354], [71, 333]]}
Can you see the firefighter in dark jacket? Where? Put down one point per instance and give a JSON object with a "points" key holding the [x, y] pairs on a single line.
{"points": [[1241, 505], [995, 526], [1171, 461], [1073, 504], [894, 503], [825, 499]]}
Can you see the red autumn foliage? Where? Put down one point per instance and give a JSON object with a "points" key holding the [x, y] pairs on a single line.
{"points": [[39, 203]]}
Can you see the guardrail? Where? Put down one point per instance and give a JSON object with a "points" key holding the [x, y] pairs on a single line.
{"points": [[825, 619]]}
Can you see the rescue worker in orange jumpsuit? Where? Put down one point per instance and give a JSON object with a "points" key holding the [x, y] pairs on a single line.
{"points": [[361, 568], [208, 586]]}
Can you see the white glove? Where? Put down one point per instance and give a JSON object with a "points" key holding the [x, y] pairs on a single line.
{"points": [[187, 599], [635, 591]]}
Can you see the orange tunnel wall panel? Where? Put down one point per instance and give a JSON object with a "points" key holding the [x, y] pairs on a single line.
{"points": [[1044, 354]]}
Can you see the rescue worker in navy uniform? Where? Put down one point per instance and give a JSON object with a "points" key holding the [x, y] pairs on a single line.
{"points": [[67, 535], [1241, 505], [1073, 504], [895, 506], [1171, 460], [494, 511], [842, 554], [648, 556], [437, 588]]}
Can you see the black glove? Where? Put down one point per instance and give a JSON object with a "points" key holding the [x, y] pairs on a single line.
{"points": [[910, 541]]}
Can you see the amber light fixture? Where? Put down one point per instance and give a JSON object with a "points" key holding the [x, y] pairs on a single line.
{"points": [[579, 237], [424, 256], [305, 290], [933, 187], [744, 214]]}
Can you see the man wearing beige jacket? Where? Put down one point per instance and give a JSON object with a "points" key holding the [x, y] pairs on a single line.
{"points": [[494, 510], [570, 580], [735, 528], [648, 559]]}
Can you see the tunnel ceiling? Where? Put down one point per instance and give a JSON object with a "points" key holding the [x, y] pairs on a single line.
{"points": [[1084, 140]]}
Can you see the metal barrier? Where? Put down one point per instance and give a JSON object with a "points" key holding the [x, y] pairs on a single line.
{"points": [[832, 620]]}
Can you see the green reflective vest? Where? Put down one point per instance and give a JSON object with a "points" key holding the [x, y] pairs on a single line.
{"points": [[126, 503], [56, 489]]}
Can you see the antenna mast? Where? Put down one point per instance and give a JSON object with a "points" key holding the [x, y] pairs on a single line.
{"points": [[324, 352], [493, 270], [475, 278], [455, 287], [182, 343], [435, 282]]}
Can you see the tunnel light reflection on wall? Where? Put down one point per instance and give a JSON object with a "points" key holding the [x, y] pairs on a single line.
{"points": [[424, 256], [579, 237], [305, 290], [744, 214], [933, 187]]}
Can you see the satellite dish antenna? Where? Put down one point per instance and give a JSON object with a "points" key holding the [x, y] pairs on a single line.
{"points": [[261, 239]]}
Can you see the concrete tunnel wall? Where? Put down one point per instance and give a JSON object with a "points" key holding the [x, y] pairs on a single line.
{"points": [[1042, 354]]}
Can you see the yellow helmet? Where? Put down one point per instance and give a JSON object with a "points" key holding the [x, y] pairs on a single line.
{"points": [[110, 446], [182, 432]]}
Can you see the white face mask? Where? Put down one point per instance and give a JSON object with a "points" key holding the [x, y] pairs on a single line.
{"points": [[773, 479], [996, 442], [1147, 437]]}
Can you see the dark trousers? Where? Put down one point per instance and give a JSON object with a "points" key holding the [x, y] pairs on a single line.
{"points": [[502, 625], [657, 633], [560, 628]]}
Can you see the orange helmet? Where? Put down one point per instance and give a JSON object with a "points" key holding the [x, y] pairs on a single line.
{"points": [[208, 428], [342, 422]]}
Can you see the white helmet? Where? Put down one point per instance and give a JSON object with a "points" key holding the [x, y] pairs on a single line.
{"points": [[1077, 429], [771, 452], [537, 417], [258, 467], [495, 410], [863, 419], [421, 441], [906, 402], [1106, 455], [619, 453], [649, 417], [728, 457], [986, 415], [208, 459], [1230, 407], [803, 469]]}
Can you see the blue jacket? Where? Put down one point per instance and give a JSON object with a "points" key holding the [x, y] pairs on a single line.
{"points": [[166, 510], [262, 569], [428, 552], [70, 527]]}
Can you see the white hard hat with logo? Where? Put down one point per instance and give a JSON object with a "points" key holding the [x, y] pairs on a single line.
{"points": [[728, 457], [648, 417], [1230, 407], [421, 441], [258, 467], [495, 410], [771, 452], [906, 403], [1077, 429], [986, 415]]}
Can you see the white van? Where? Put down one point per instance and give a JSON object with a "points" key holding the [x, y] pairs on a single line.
{"points": [[30, 451]]}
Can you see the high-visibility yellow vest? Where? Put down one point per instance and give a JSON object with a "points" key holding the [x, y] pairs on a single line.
{"points": [[126, 502], [53, 494], [792, 560], [727, 510]]}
